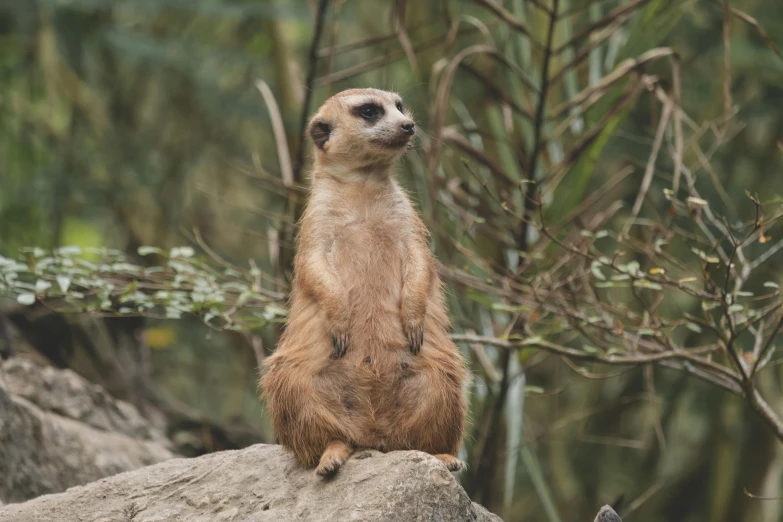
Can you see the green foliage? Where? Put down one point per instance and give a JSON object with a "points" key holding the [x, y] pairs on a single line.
{"points": [[107, 284]]}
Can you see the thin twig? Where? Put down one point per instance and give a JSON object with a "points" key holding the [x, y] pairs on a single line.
{"points": [[635, 359], [320, 16], [726, 58], [283, 156], [529, 188], [650, 170]]}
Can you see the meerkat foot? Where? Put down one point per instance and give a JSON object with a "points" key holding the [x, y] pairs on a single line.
{"points": [[333, 458], [452, 463]]}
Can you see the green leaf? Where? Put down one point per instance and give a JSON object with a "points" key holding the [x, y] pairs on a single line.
{"points": [[25, 299], [632, 267], [502, 307], [147, 250], [276, 310], [125, 267], [693, 327], [184, 251], [68, 251], [643, 283], [595, 268], [536, 339], [609, 284]]}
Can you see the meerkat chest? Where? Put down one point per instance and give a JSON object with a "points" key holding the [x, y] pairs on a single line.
{"points": [[368, 233], [370, 249]]}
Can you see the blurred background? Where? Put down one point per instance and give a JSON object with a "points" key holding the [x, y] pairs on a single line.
{"points": [[133, 123]]}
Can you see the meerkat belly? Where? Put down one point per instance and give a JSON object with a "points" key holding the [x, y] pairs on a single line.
{"points": [[368, 259]]}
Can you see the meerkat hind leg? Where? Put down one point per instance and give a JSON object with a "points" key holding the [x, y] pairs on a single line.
{"points": [[452, 463], [333, 457]]}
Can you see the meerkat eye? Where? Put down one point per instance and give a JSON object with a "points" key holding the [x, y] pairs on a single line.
{"points": [[399, 106], [369, 111]]}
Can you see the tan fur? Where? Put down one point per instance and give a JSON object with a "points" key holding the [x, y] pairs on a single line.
{"points": [[365, 281]]}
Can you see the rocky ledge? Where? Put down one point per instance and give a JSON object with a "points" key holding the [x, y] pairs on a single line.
{"points": [[264, 483]]}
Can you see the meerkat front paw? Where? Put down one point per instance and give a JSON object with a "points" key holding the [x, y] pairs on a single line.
{"points": [[339, 342], [414, 330]]}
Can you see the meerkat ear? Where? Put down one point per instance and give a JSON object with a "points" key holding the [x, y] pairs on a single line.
{"points": [[319, 133]]}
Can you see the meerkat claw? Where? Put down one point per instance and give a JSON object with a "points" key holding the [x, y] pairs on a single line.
{"points": [[333, 459], [340, 343], [415, 338], [452, 463]]}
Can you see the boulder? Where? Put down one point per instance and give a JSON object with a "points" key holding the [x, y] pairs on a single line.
{"points": [[57, 430], [264, 483]]}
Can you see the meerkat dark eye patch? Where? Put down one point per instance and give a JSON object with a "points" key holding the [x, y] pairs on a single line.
{"points": [[319, 133], [399, 105], [371, 112]]}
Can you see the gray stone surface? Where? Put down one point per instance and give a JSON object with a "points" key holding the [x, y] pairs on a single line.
{"points": [[264, 483], [57, 430], [607, 514]]}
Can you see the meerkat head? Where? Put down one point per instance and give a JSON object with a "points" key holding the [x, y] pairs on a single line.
{"points": [[360, 129]]}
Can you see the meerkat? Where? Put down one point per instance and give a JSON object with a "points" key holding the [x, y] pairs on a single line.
{"points": [[365, 360]]}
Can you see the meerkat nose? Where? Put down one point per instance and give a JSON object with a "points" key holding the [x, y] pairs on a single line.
{"points": [[408, 128]]}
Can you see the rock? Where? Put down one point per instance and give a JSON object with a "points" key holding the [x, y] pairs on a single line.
{"points": [[607, 514], [58, 430], [264, 483]]}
